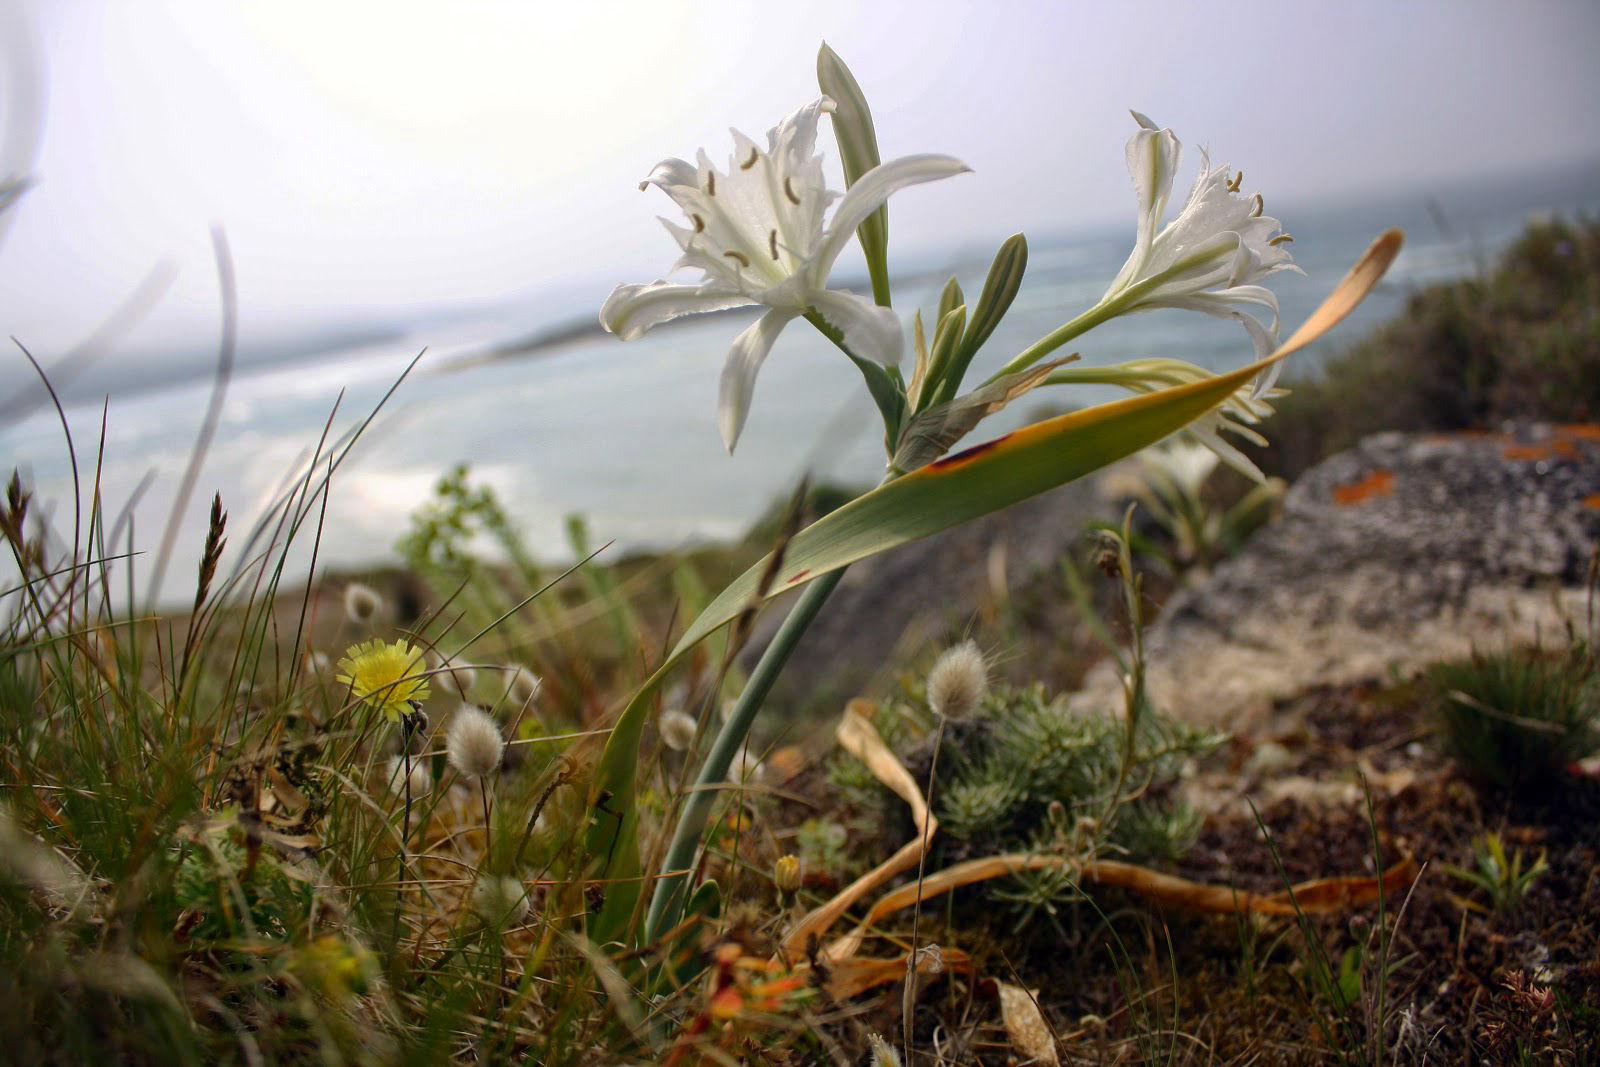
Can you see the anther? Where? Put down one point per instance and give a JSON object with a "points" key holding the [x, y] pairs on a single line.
{"points": [[711, 183], [1261, 206], [744, 261], [1282, 238], [788, 190], [699, 223], [772, 242], [1233, 186], [754, 155]]}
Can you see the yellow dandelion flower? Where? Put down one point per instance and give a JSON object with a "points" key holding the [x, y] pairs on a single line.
{"points": [[386, 677]]}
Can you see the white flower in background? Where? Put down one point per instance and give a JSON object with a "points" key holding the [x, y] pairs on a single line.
{"points": [[757, 233], [1184, 465], [1209, 257]]}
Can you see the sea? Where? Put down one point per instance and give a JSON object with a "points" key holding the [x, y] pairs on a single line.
{"points": [[561, 419]]}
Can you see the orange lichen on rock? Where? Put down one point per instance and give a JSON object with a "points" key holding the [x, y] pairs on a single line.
{"points": [[1592, 501], [1379, 483], [1526, 452], [1589, 431]]}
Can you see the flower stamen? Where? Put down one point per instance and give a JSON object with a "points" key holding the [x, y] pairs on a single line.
{"points": [[1281, 239], [699, 223], [1261, 205], [735, 254], [1233, 186], [755, 154], [772, 242], [711, 183], [788, 191]]}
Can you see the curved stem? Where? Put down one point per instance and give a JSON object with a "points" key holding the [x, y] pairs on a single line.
{"points": [[1061, 335], [666, 903]]}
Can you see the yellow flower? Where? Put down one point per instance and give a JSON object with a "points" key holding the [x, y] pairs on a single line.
{"points": [[386, 677]]}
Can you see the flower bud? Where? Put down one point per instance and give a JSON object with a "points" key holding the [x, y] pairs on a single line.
{"points": [[787, 874]]}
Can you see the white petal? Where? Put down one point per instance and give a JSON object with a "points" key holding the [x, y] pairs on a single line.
{"points": [[630, 310], [1152, 161], [749, 349], [868, 194], [870, 331]]}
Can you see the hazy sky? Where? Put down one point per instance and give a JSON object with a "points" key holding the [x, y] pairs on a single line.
{"points": [[387, 155]]}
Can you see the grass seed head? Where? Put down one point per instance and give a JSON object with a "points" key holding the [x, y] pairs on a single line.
{"points": [[500, 900], [473, 743], [361, 602], [523, 685], [421, 780], [958, 681], [677, 729]]}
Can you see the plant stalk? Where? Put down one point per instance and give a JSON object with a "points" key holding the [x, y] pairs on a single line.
{"points": [[671, 890]]}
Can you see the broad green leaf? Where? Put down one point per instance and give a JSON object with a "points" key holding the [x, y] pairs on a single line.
{"points": [[971, 483]]}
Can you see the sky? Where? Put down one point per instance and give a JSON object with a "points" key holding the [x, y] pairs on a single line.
{"points": [[373, 159]]}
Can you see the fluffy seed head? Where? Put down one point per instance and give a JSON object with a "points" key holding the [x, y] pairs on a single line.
{"points": [[361, 602], [473, 743], [499, 900], [421, 780], [883, 1053], [677, 729], [523, 685], [746, 767], [453, 678], [958, 681]]}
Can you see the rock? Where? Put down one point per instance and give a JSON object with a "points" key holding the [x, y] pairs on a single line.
{"points": [[1405, 550]]}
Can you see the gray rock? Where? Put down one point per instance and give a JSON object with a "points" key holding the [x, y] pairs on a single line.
{"points": [[1402, 551]]}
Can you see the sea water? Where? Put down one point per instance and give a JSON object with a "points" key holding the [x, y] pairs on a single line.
{"points": [[625, 433]]}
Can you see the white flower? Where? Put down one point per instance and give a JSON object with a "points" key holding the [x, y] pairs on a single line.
{"points": [[1183, 465], [757, 233], [1207, 258]]}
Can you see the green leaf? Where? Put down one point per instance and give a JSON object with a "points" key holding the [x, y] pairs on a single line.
{"points": [[1022, 464], [858, 151], [979, 480]]}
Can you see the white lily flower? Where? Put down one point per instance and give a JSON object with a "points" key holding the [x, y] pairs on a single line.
{"points": [[756, 231], [1207, 258]]}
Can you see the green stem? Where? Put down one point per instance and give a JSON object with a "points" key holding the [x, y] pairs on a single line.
{"points": [[1053, 340], [671, 890]]}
